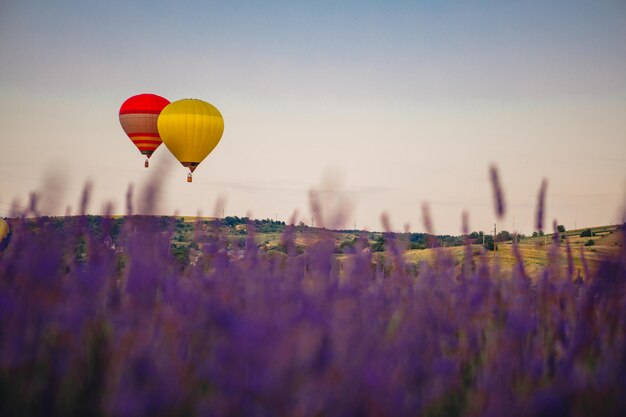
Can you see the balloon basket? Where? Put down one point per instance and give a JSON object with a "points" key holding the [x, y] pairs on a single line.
{"points": [[189, 179], [146, 164]]}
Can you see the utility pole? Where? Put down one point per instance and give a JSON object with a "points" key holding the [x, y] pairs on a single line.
{"points": [[495, 238]]}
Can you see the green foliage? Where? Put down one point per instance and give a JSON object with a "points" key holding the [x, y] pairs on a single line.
{"points": [[116, 227], [232, 221], [94, 225], [447, 240], [379, 244], [262, 226], [476, 237], [181, 254], [489, 242], [417, 238], [80, 250], [590, 242], [182, 226], [586, 233], [269, 226], [560, 228], [504, 236], [347, 245]]}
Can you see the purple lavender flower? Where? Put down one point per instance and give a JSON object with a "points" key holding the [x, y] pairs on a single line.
{"points": [[541, 203], [110, 320], [498, 195]]}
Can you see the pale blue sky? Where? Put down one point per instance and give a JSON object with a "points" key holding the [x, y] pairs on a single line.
{"points": [[402, 101]]}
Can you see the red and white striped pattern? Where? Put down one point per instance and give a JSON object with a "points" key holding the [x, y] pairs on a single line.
{"points": [[138, 117]]}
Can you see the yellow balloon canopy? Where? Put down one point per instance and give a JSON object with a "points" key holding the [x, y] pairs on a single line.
{"points": [[190, 129], [4, 234]]}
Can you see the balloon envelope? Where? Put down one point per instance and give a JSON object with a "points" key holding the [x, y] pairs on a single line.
{"points": [[5, 234], [190, 129], [138, 117]]}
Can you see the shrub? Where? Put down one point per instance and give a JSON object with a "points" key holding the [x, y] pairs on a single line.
{"points": [[489, 243], [379, 244]]}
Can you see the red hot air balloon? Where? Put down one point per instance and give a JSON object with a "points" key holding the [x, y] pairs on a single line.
{"points": [[138, 117]]}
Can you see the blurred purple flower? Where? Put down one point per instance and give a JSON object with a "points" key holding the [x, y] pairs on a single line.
{"points": [[498, 195], [541, 202], [109, 321]]}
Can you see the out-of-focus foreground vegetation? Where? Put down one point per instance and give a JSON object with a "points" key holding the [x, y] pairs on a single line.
{"points": [[160, 316]]}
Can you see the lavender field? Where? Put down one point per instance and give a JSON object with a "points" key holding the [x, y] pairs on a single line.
{"points": [[313, 208], [100, 318]]}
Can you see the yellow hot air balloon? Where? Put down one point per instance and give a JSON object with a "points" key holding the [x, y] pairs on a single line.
{"points": [[5, 235], [190, 129]]}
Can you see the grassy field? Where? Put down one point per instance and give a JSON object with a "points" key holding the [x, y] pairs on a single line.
{"points": [[535, 250]]}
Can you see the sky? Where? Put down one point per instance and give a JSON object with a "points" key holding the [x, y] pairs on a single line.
{"points": [[380, 106]]}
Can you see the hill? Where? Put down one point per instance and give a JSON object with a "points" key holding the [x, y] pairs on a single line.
{"points": [[189, 234]]}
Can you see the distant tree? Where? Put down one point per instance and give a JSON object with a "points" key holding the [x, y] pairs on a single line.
{"points": [[269, 226], [489, 243], [586, 233], [560, 228], [94, 224], [417, 237], [80, 250], [590, 242], [447, 240], [181, 253], [476, 237], [347, 245], [116, 227], [181, 226], [379, 244], [504, 236]]}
